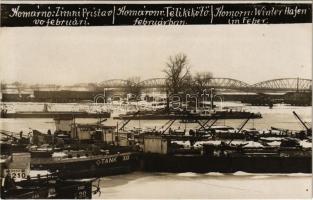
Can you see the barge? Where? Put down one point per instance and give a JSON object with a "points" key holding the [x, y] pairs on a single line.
{"points": [[53, 114], [187, 116], [17, 182], [48, 187], [161, 155]]}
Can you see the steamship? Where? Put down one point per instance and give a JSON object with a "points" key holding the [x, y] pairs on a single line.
{"points": [[83, 150]]}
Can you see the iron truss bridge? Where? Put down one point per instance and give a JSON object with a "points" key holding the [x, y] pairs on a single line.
{"points": [[274, 85]]}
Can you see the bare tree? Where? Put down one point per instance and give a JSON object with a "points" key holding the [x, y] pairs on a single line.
{"points": [[35, 87], [201, 81], [134, 87], [18, 85], [177, 74], [3, 86], [54, 87]]}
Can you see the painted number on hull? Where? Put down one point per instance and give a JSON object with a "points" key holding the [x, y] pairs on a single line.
{"points": [[35, 195], [16, 173], [82, 195], [126, 157]]}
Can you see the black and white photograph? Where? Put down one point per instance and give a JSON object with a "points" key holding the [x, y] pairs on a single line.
{"points": [[156, 99]]}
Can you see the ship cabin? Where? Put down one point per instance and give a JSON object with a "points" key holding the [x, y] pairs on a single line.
{"points": [[63, 125], [40, 138], [155, 143], [66, 126], [94, 132]]}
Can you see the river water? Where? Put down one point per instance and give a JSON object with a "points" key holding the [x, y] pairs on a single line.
{"points": [[188, 185]]}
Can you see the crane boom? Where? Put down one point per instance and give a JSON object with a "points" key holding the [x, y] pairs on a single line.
{"points": [[7, 133], [301, 121], [244, 123], [127, 121]]}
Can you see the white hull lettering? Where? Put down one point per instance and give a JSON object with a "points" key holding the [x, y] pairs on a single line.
{"points": [[126, 157], [106, 161]]}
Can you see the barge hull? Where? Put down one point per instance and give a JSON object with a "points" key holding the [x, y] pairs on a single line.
{"points": [[94, 167], [55, 115], [165, 116]]}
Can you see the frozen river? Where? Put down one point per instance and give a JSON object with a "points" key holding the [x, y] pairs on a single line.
{"points": [[205, 186]]}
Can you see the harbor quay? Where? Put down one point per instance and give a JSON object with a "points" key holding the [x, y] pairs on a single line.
{"points": [[174, 141]]}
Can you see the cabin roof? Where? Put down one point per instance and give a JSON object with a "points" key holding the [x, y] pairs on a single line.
{"points": [[95, 126], [63, 118]]}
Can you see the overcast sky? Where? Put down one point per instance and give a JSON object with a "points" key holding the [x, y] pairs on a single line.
{"points": [[250, 53]]}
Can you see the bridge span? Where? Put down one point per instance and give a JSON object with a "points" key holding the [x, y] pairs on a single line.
{"points": [[274, 85], [282, 85]]}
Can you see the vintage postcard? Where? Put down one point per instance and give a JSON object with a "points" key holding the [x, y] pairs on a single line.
{"points": [[156, 99]]}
